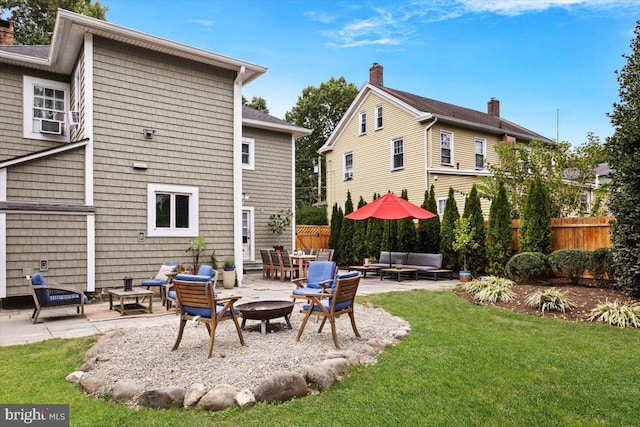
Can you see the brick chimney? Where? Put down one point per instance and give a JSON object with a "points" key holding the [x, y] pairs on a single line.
{"points": [[6, 32], [493, 107], [375, 74]]}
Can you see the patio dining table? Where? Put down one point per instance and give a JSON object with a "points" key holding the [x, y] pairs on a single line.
{"points": [[302, 261]]}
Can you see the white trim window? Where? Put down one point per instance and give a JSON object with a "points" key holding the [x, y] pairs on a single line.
{"points": [[363, 122], [442, 203], [378, 117], [348, 166], [45, 105], [446, 148], [248, 153], [397, 154], [481, 150], [172, 210]]}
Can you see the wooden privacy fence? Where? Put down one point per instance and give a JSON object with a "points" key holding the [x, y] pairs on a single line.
{"points": [[588, 233], [312, 236]]}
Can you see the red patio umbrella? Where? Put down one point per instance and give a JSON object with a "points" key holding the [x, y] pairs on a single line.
{"points": [[389, 207]]}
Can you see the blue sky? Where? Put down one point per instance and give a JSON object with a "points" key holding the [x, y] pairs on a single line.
{"points": [[541, 58]]}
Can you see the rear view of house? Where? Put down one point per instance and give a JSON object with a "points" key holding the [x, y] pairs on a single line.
{"points": [[116, 149]]}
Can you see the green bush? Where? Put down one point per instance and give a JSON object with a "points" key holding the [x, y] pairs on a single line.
{"points": [[528, 266], [477, 285], [551, 299], [311, 215], [571, 263], [496, 291], [617, 314], [601, 265]]}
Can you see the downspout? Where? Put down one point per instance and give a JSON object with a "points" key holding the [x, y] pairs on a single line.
{"points": [[89, 160], [426, 153], [237, 174]]}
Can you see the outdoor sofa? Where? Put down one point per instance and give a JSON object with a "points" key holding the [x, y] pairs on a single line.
{"points": [[426, 264]]}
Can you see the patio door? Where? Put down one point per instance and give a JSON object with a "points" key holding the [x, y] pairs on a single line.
{"points": [[247, 234]]}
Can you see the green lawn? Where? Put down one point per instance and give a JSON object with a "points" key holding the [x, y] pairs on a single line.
{"points": [[461, 365]]}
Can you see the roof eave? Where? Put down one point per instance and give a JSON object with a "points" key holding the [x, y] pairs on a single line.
{"points": [[296, 131], [69, 33]]}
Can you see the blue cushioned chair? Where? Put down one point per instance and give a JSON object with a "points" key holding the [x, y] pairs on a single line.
{"points": [[197, 301], [205, 274], [52, 295], [337, 301], [320, 275], [160, 280]]}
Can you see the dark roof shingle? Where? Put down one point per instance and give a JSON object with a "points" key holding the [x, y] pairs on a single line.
{"points": [[445, 110]]}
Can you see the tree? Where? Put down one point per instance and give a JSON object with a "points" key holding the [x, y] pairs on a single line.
{"points": [[344, 252], [499, 233], [406, 231], [477, 254], [336, 226], [447, 236], [566, 172], [360, 237], [319, 109], [428, 234], [535, 229], [257, 103], [375, 229], [34, 20], [623, 148]]}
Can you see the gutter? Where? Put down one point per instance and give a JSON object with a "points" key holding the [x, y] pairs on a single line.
{"points": [[237, 174], [426, 149]]}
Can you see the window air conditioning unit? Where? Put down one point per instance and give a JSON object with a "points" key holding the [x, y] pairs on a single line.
{"points": [[74, 118], [348, 175], [50, 126]]}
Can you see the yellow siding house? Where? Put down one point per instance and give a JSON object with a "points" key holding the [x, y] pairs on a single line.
{"points": [[394, 140]]}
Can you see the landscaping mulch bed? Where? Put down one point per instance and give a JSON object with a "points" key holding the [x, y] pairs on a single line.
{"points": [[585, 296]]}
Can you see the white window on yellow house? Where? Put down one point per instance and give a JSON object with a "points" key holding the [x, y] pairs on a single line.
{"points": [[446, 148], [442, 202], [348, 166], [378, 117], [397, 154], [363, 122], [481, 145]]}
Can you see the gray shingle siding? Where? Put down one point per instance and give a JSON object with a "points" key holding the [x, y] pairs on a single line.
{"points": [[190, 107], [269, 185]]}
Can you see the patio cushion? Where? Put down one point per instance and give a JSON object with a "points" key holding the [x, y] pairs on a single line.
{"points": [[38, 279], [307, 290], [153, 282], [162, 273], [319, 271], [343, 276], [327, 305], [387, 257], [206, 312]]}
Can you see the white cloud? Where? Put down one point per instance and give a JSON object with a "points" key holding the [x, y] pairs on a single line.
{"points": [[396, 22], [203, 22]]}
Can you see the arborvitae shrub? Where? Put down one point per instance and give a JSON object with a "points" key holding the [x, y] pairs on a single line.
{"points": [[528, 266], [477, 258], [447, 227], [535, 229], [499, 234], [571, 263]]}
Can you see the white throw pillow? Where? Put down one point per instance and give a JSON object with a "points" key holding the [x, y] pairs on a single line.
{"points": [[162, 274]]}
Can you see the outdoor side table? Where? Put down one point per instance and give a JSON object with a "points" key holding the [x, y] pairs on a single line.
{"points": [[137, 306], [364, 269]]}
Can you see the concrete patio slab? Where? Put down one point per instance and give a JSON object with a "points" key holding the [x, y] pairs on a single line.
{"points": [[16, 327]]}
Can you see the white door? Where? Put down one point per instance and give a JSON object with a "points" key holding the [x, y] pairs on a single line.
{"points": [[247, 233]]}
